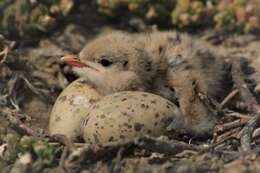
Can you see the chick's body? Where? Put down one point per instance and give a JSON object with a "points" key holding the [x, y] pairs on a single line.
{"points": [[191, 69], [163, 63]]}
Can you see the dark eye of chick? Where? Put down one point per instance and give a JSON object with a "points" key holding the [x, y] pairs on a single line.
{"points": [[105, 62]]}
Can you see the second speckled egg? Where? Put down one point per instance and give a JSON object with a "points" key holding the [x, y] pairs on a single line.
{"points": [[129, 114]]}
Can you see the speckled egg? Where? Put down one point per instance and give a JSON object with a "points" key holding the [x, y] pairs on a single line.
{"points": [[71, 105], [129, 114]]}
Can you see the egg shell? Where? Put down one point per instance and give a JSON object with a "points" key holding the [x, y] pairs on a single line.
{"points": [[70, 107], [126, 115]]}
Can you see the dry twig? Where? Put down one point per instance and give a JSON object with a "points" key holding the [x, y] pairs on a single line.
{"points": [[231, 125], [5, 52], [231, 95]]}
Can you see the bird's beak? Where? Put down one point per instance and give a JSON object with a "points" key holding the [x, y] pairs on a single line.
{"points": [[75, 61]]}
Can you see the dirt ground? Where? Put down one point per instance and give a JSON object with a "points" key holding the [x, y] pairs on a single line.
{"points": [[33, 76]]}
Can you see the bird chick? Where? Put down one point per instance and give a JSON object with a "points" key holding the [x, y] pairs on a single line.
{"points": [[162, 63], [193, 71], [119, 64]]}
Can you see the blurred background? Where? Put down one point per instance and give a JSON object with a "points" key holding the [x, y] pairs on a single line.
{"points": [[24, 18]]}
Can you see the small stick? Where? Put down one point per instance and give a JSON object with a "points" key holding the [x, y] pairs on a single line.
{"points": [[216, 144], [5, 52], [237, 115], [231, 125], [231, 95], [229, 134], [166, 147]]}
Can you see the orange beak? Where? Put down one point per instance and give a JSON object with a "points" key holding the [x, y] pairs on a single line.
{"points": [[75, 61]]}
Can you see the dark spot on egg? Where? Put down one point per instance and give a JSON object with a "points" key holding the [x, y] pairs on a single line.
{"points": [[124, 99], [149, 131], [128, 125], [156, 123], [111, 138], [167, 106], [122, 130], [63, 98], [144, 106], [57, 118], [124, 114], [160, 49], [138, 126], [153, 101], [102, 116], [96, 124], [78, 86], [157, 115], [92, 101], [122, 137]]}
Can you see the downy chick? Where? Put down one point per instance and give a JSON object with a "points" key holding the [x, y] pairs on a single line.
{"points": [[192, 71], [162, 63], [118, 64]]}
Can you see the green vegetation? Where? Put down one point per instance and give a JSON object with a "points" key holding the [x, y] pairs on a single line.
{"points": [[240, 15], [43, 154], [21, 17]]}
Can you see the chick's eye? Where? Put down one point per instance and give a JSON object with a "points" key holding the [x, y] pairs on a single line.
{"points": [[105, 62]]}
